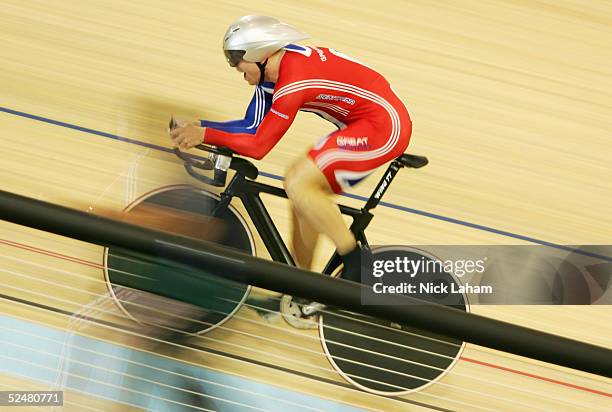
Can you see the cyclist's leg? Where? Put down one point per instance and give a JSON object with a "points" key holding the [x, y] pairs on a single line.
{"points": [[304, 241], [309, 192]]}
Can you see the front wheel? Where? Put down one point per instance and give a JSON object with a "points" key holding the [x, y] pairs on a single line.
{"points": [[218, 299]]}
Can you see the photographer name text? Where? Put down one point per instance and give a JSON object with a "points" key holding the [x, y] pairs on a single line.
{"points": [[431, 288]]}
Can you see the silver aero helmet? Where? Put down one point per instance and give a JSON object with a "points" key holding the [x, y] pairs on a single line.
{"points": [[255, 38]]}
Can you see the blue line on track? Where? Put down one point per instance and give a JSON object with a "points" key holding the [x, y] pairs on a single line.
{"points": [[352, 196], [83, 129]]}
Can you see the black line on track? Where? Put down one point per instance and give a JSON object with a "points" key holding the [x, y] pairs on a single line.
{"points": [[221, 353]]}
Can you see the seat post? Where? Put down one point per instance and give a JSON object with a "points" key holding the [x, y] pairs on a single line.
{"points": [[383, 185]]}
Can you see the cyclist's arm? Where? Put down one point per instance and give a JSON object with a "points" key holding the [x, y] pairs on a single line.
{"points": [[274, 125], [258, 107]]}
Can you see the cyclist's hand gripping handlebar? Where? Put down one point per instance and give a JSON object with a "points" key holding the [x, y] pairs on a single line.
{"points": [[219, 161]]}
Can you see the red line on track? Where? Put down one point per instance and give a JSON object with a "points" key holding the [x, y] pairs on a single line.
{"points": [[531, 375], [490, 365], [49, 253]]}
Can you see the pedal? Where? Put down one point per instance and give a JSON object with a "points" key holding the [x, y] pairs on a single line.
{"points": [[291, 310]]}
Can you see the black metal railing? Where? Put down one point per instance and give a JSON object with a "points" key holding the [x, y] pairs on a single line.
{"points": [[233, 265]]}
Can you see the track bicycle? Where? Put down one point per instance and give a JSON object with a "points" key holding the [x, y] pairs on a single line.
{"points": [[372, 354]]}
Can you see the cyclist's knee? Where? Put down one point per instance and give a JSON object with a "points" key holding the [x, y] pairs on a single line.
{"points": [[294, 182], [304, 176]]}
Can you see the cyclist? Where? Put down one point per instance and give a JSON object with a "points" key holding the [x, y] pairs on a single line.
{"points": [[373, 125]]}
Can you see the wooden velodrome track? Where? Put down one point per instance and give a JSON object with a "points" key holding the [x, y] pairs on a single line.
{"points": [[511, 102]]}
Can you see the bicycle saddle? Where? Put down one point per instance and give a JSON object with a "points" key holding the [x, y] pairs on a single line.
{"points": [[414, 161]]}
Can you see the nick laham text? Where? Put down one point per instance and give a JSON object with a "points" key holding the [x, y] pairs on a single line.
{"points": [[437, 288]]}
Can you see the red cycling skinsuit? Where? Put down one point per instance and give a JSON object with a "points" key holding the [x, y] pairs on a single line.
{"points": [[373, 124]]}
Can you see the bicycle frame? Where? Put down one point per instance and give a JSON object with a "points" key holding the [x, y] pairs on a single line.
{"points": [[248, 191]]}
